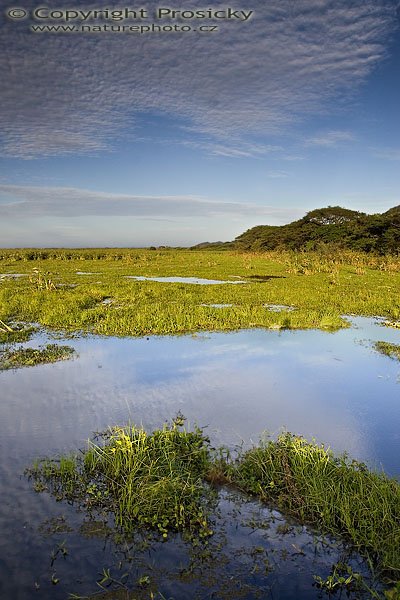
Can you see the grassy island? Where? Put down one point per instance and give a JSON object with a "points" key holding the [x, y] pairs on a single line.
{"points": [[165, 481]]}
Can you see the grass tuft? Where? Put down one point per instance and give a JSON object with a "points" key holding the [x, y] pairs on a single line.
{"points": [[151, 480], [158, 481], [29, 357], [332, 493], [388, 349]]}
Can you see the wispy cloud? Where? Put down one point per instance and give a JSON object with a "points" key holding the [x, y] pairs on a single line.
{"points": [[277, 174], [238, 149], [331, 139], [386, 153], [29, 202], [293, 157], [80, 93]]}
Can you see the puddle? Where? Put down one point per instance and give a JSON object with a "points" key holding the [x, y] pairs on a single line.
{"points": [[218, 305], [279, 307], [12, 275], [192, 280], [86, 273], [329, 386]]}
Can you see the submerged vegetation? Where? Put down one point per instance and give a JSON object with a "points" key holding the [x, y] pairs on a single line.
{"points": [[10, 335], [29, 357], [151, 480], [164, 482], [333, 493], [388, 349], [90, 290]]}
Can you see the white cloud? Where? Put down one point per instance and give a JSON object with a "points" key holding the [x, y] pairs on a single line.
{"points": [[293, 157], [234, 149], [331, 139], [277, 174], [387, 153], [83, 92], [57, 216]]}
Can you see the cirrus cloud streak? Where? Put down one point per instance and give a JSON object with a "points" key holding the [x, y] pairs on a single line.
{"points": [[32, 202]]}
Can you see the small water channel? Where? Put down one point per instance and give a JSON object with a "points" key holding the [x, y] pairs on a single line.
{"points": [[330, 386]]}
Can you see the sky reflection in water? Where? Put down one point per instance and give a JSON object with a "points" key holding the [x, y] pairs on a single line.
{"points": [[330, 386]]}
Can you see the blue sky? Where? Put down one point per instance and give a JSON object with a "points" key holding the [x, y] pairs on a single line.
{"points": [[128, 139]]}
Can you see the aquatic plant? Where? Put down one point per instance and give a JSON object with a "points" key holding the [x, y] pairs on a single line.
{"points": [[342, 577], [158, 481], [338, 495], [388, 349], [29, 357], [9, 335], [151, 480]]}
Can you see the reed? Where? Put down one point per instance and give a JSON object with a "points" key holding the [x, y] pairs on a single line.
{"points": [[152, 480]]}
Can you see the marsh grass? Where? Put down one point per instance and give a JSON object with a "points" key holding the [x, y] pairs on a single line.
{"points": [[29, 357], [388, 349], [156, 480], [163, 481], [12, 334], [42, 280], [321, 287], [335, 494]]}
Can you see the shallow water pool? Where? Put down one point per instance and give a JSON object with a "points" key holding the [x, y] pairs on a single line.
{"points": [[330, 386]]}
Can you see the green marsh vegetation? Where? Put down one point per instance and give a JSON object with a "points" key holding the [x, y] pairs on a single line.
{"points": [[156, 480], [388, 349], [334, 493], [322, 286], [14, 358], [166, 482], [12, 334]]}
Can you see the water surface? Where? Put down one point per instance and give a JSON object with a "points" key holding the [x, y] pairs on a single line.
{"points": [[329, 386], [191, 280]]}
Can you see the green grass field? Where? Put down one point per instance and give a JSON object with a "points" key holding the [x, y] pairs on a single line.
{"points": [[321, 286]]}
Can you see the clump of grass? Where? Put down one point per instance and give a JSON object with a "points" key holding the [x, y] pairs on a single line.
{"points": [[158, 481], [153, 480], [335, 494], [9, 335], [388, 349], [41, 280], [29, 357]]}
